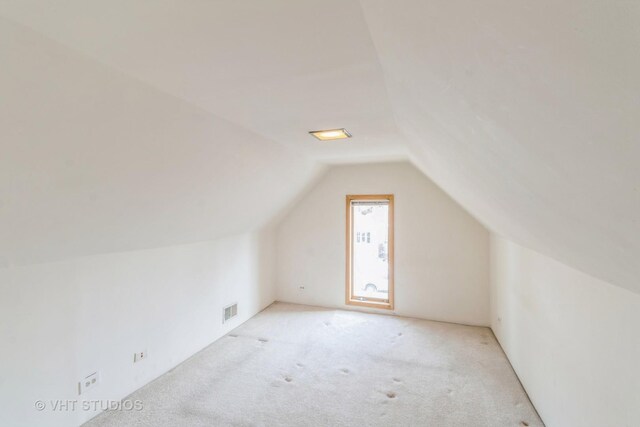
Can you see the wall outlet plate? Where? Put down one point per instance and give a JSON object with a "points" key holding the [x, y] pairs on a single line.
{"points": [[89, 382], [140, 356]]}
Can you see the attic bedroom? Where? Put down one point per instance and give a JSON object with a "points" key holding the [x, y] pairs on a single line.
{"points": [[319, 213]]}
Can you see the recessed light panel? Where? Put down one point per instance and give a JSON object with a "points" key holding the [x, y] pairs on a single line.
{"points": [[330, 134]]}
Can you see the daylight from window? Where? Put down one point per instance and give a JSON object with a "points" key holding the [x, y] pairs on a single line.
{"points": [[370, 246]]}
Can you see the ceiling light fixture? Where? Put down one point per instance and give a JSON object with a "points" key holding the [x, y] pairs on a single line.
{"points": [[330, 134]]}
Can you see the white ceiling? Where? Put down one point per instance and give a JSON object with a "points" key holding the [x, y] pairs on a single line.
{"points": [[527, 113], [279, 67], [146, 115], [94, 161]]}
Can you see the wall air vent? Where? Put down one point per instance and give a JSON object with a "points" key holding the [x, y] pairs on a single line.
{"points": [[229, 312]]}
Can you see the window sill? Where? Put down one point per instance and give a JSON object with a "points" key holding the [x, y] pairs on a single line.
{"points": [[370, 304]]}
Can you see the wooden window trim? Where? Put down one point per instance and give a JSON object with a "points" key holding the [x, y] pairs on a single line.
{"points": [[371, 302]]}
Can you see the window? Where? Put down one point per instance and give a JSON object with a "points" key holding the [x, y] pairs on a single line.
{"points": [[370, 251]]}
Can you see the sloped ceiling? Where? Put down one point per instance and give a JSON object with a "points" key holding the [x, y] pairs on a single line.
{"points": [[133, 124], [278, 67], [528, 113], [94, 161]]}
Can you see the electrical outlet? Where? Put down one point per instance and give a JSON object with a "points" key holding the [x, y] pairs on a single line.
{"points": [[137, 357], [89, 382]]}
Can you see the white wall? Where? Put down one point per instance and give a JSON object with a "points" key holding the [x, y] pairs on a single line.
{"points": [[573, 340], [61, 321], [441, 252]]}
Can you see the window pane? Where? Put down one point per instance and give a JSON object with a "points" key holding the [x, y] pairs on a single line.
{"points": [[370, 262]]}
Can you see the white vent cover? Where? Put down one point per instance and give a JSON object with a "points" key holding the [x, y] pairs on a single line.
{"points": [[229, 312]]}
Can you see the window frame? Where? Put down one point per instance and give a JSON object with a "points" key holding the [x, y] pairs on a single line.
{"points": [[350, 299]]}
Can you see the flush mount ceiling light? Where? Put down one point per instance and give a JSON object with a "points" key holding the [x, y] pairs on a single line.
{"points": [[330, 134]]}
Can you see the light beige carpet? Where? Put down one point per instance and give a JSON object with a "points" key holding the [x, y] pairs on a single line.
{"points": [[294, 365]]}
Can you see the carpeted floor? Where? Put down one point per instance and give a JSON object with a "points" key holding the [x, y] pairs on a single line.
{"points": [[295, 365]]}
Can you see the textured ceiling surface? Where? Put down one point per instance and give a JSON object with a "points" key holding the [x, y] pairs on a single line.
{"points": [[136, 124]]}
